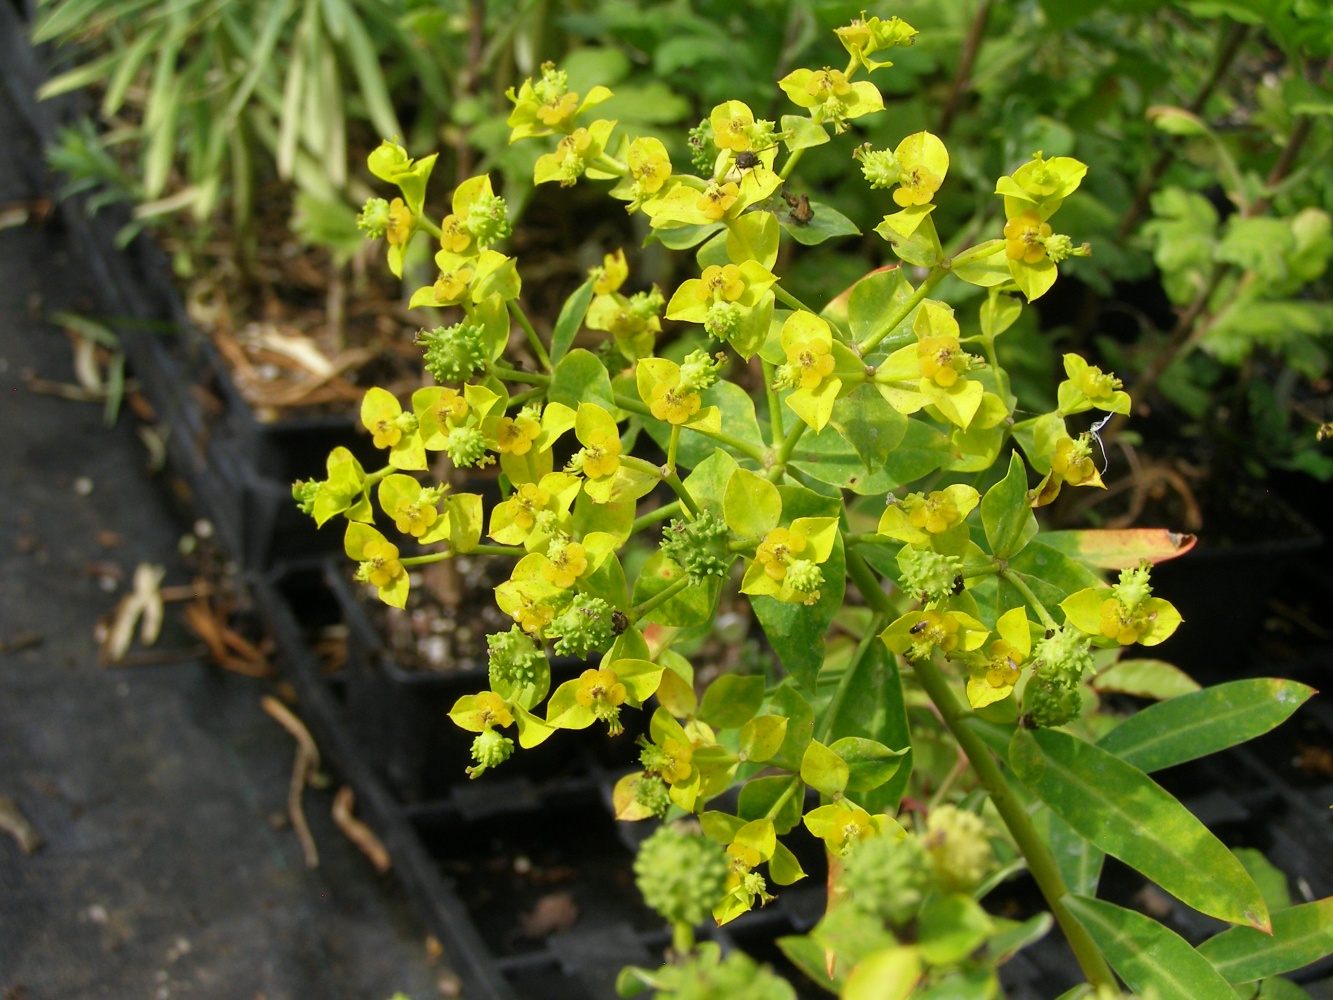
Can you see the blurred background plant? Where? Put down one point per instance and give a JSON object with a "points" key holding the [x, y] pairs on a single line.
{"points": [[1206, 122]]}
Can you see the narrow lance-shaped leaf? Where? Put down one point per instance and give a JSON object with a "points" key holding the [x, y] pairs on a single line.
{"points": [[1148, 956], [1125, 813], [1204, 722], [1301, 935]]}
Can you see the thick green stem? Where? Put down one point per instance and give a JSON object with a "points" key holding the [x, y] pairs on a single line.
{"points": [[901, 313], [429, 226], [785, 452], [524, 397], [479, 550], [1040, 863], [672, 446], [1019, 584], [632, 405], [534, 341], [682, 938], [672, 589], [686, 500], [793, 159]]}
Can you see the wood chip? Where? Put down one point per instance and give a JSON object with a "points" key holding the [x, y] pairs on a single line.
{"points": [[357, 832], [553, 914], [141, 607]]}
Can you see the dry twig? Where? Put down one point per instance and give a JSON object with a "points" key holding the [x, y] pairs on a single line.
{"points": [[14, 823], [357, 832], [305, 765]]}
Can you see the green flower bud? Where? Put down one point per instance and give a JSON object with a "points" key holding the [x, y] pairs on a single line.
{"points": [[1064, 657], [374, 218], [553, 85], [489, 749], [879, 166], [515, 660], [723, 319], [702, 151], [681, 874], [888, 878], [805, 577], [700, 370], [487, 220], [699, 547], [453, 353], [786, 377], [651, 793], [927, 573], [1134, 587], [304, 492], [466, 447], [958, 843], [1050, 702], [583, 627], [643, 306]]}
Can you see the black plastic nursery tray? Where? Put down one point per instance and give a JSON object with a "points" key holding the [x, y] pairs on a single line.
{"points": [[239, 468]]}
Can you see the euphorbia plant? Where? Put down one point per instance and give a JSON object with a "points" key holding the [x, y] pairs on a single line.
{"points": [[884, 452]]}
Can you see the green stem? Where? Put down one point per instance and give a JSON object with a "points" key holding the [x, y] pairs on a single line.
{"points": [[658, 599], [936, 275], [672, 447], [429, 226], [792, 159], [682, 938], [1044, 870], [507, 374], [785, 452], [775, 431], [786, 795], [1041, 864], [534, 341], [788, 299], [1022, 587], [632, 405], [653, 516], [449, 553], [523, 397], [686, 500], [867, 538]]}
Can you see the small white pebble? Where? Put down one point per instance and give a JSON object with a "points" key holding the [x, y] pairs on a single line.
{"points": [[97, 914], [203, 528], [83, 486]]}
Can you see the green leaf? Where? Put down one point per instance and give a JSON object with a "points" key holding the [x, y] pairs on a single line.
{"points": [[1203, 722], [923, 450], [708, 482], [806, 954], [758, 796], [870, 425], [891, 974], [1301, 935], [952, 927], [762, 737], [825, 223], [1148, 956], [1009, 521], [869, 762], [873, 708], [581, 378], [786, 699], [731, 701], [1119, 549], [1270, 879], [802, 133], [1153, 679], [690, 607], [872, 302], [570, 320], [1079, 861], [1122, 811], [751, 505], [823, 770], [754, 236], [1013, 937]]}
